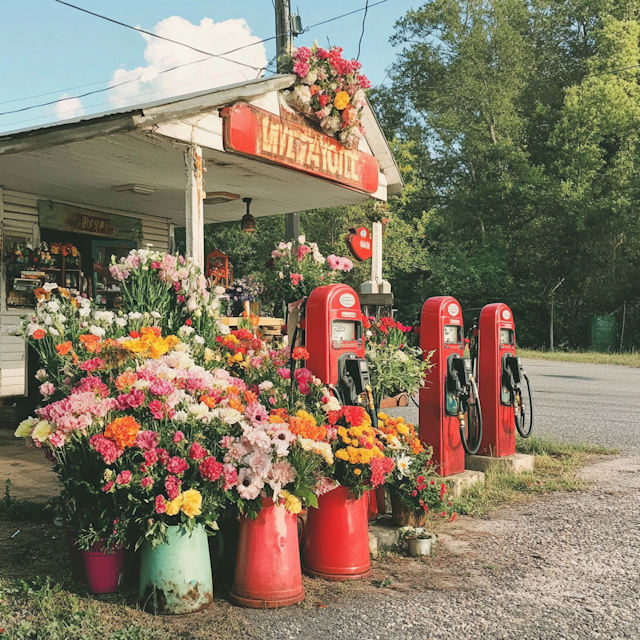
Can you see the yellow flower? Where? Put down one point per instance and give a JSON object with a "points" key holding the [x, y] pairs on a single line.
{"points": [[191, 503], [24, 428], [291, 503], [403, 429], [208, 355], [342, 454], [42, 431], [354, 432], [383, 416], [238, 357], [173, 506], [341, 100], [342, 432], [357, 471]]}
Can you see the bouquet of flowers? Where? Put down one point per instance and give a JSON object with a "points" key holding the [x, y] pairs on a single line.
{"points": [[66, 249], [24, 257], [295, 271], [330, 90], [394, 367], [246, 289]]}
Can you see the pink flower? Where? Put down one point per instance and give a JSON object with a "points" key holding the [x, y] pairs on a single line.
{"points": [[364, 82], [150, 457], [302, 252], [257, 414], [305, 389], [147, 482], [211, 469], [157, 409], [259, 462], [177, 465], [57, 439], [178, 436], [302, 375], [147, 440], [106, 448], [124, 477], [92, 383], [108, 487], [93, 364], [322, 54], [161, 388], [163, 456], [285, 374], [249, 484], [197, 451], [132, 400], [172, 485], [282, 472], [296, 279], [230, 476], [161, 507], [302, 53], [301, 69], [226, 442], [255, 362], [47, 389]]}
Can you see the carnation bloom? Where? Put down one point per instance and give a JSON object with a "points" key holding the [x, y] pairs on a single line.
{"points": [[107, 448], [147, 440], [147, 482], [197, 451], [123, 431], [177, 465], [172, 485], [211, 469], [124, 477]]}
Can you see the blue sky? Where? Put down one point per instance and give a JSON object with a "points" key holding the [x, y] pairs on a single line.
{"points": [[48, 47]]}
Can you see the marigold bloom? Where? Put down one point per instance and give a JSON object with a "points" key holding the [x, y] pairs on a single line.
{"points": [[191, 503], [123, 431], [64, 348]]}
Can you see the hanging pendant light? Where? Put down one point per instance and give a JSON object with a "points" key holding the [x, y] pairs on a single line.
{"points": [[248, 223]]}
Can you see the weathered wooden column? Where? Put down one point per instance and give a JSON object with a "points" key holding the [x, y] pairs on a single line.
{"points": [[194, 207]]}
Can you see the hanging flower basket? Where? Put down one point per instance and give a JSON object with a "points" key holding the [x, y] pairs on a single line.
{"points": [[330, 91]]}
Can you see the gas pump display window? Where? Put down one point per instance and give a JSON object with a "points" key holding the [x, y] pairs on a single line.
{"points": [[342, 331], [506, 336], [452, 334]]}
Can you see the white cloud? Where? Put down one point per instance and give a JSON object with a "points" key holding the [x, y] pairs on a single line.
{"points": [[67, 107], [209, 36]]}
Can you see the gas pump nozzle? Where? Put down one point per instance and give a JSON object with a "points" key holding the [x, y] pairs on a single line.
{"points": [[513, 375]]}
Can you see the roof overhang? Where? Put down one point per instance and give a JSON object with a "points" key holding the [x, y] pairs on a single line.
{"points": [[83, 160]]}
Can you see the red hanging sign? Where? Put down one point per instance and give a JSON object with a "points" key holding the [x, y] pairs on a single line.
{"points": [[260, 134], [360, 243]]}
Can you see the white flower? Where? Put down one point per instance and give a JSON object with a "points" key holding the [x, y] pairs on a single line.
{"points": [[181, 416], [229, 415], [186, 330], [121, 322], [332, 405], [302, 239], [104, 316], [219, 291], [401, 355], [141, 384], [198, 339], [198, 313], [156, 315], [53, 331], [199, 411], [403, 464], [41, 375], [32, 328], [135, 315], [368, 333], [192, 303], [53, 306], [83, 312], [266, 385], [281, 275], [97, 331], [49, 286], [223, 329], [48, 320]]}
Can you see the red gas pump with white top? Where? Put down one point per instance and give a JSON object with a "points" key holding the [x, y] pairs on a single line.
{"points": [[334, 338], [450, 415], [501, 382]]}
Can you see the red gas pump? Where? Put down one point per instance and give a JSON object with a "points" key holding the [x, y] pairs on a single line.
{"points": [[500, 381], [450, 415], [333, 336]]}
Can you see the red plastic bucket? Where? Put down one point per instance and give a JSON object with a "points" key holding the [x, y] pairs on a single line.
{"points": [[336, 545], [105, 571], [268, 573]]}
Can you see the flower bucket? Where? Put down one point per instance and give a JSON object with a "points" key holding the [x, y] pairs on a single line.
{"points": [[175, 577], [419, 547], [75, 556], [336, 545], [404, 517], [268, 573], [105, 571]]}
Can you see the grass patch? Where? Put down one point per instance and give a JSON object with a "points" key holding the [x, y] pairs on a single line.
{"points": [[555, 470], [587, 357]]}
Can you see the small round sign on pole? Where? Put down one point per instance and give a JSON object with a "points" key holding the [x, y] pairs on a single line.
{"points": [[360, 243]]}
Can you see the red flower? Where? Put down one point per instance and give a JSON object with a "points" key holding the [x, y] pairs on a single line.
{"points": [[380, 468], [178, 436], [300, 353], [177, 465], [147, 482], [197, 451], [188, 322], [93, 364], [414, 493], [211, 469], [163, 456], [443, 490], [107, 487], [172, 485], [150, 457], [355, 416], [420, 479], [157, 409], [124, 477], [161, 507]]}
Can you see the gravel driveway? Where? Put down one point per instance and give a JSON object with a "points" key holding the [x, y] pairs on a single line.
{"points": [[558, 567]]}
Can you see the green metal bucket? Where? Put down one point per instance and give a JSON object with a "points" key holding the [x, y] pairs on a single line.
{"points": [[175, 577]]}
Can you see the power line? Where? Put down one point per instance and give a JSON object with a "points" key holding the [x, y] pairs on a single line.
{"points": [[167, 70], [155, 35], [364, 21]]}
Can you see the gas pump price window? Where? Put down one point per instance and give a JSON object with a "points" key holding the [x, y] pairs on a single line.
{"points": [[452, 334], [345, 331], [506, 336]]}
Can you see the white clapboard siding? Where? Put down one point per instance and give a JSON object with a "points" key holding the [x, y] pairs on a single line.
{"points": [[155, 231]]}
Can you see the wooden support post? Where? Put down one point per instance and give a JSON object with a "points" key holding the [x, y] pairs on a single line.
{"points": [[376, 258], [194, 208]]}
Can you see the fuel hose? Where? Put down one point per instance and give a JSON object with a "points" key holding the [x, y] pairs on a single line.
{"points": [[520, 412], [472, 450]]}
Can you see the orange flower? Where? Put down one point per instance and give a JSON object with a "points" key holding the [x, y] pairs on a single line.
{"points": [[234, 403], [90, 342], [125, 380], [304, 425], [151, 331], [250, 397], [123, 431], [313, 89], [38, 334], [64, 348], [209, 401], [300, 353]]}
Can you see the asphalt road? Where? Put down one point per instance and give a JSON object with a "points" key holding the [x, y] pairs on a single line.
{"points": [[574, 402]]}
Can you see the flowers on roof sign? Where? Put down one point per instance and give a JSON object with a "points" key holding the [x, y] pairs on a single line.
{"points": [[330, 90]]}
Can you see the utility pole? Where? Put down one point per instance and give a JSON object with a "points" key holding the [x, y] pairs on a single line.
{"points": [[552, 296], [284, 48]]}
